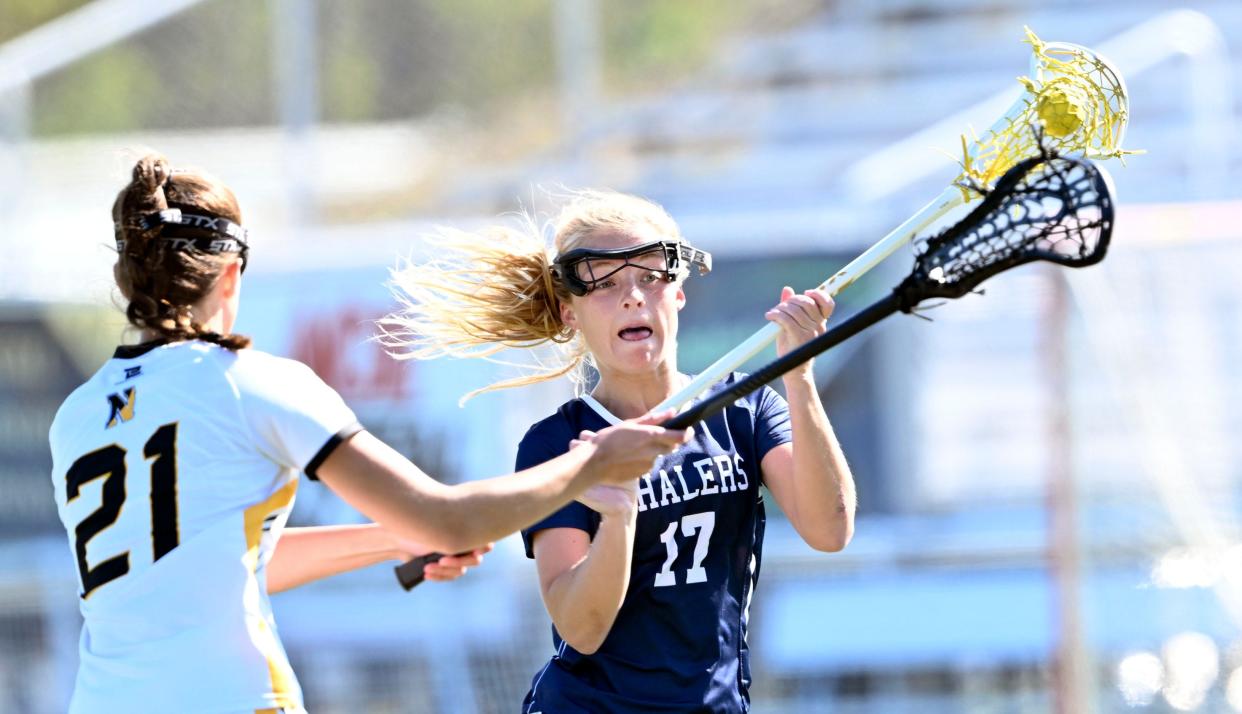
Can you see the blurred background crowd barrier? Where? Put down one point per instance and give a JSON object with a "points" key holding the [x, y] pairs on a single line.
{"points": [[1048, 475]]}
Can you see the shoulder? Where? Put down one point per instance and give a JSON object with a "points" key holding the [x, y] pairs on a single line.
{"points": [[559, 427], [250, 360], [277, 388], [88, 392], [762, 410], [254, 370], [757, 400], [551, 435]]}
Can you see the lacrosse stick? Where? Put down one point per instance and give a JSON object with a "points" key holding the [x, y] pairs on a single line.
{"points": [[1048, 207], [1076, 97]]}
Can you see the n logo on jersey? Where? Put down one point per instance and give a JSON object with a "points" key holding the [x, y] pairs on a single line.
{"points": [[122, 407]]}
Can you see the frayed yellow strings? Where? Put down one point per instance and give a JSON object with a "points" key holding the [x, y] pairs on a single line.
{"points": [[1075, 98]]}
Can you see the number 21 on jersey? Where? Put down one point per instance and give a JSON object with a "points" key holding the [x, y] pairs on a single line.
{"points": [[109, 463]]}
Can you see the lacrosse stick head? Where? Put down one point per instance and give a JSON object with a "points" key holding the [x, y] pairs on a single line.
{"points": [[1049, 207], [1076, 97]]}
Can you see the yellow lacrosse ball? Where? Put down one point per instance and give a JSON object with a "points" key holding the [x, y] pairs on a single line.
{"points": [[1060, 111]]}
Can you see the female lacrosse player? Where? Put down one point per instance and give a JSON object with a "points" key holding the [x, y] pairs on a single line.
{"points": [[175, 467], [648, 584]]}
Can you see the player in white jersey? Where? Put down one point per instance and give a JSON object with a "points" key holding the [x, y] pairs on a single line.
{"points": [[175, 468]]}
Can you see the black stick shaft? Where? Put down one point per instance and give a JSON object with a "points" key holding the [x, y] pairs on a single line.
{"points": [[856, 323]]}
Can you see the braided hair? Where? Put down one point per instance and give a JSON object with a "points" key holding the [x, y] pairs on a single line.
{"points": [[160, 281]]}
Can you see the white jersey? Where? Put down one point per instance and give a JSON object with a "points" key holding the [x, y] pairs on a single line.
{"points": [[174, 469]]}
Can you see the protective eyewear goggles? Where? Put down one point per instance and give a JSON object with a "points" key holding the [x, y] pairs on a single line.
{"points": [[582, 269]]}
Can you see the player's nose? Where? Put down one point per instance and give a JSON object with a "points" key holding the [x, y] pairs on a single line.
{"points": [[633, 296]]}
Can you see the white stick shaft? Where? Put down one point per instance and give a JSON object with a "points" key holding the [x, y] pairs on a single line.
{"points": [[950, 198]]}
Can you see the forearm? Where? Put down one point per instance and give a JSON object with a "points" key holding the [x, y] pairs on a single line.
{"points": [[584, 600], [823, 488], [494, 508], [303, 555], [386, 487]]}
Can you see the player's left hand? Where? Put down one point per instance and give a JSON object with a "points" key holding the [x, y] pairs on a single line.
{"points": [[451, 567], [801, 318], [448, 567]]}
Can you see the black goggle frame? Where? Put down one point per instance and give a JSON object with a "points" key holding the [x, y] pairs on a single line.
{"points": [[676, 255]]}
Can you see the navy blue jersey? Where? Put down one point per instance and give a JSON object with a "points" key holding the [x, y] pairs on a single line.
{"points": [[679, 640]]}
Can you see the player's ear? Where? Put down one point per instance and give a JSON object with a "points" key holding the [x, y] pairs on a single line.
{"points": [[230, 279], [567, 314], [680, 298]]}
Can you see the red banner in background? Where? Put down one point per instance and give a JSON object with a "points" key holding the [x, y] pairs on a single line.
{"points": [[338, 346]]}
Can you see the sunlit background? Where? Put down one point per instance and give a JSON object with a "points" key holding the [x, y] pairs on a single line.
{"points": [[1050, 516]]}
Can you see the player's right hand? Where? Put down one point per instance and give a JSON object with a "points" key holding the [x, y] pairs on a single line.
{"points": [[627, 450], [607, 499]]}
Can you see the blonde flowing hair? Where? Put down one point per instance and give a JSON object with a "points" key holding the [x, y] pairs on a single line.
{"points": [[483, 291]]}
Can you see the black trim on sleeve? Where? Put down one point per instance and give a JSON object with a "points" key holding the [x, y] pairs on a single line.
{"points": [[329, 446]]}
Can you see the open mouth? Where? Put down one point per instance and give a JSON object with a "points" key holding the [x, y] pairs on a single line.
{"points": [[635, 334]]}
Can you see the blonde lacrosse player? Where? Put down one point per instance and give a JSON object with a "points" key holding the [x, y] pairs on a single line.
{"points": [[175, 468], [649, 583]]}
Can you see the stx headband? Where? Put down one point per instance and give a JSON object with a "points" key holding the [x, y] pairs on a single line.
{"points": [[195, 231], [582, 268]]}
